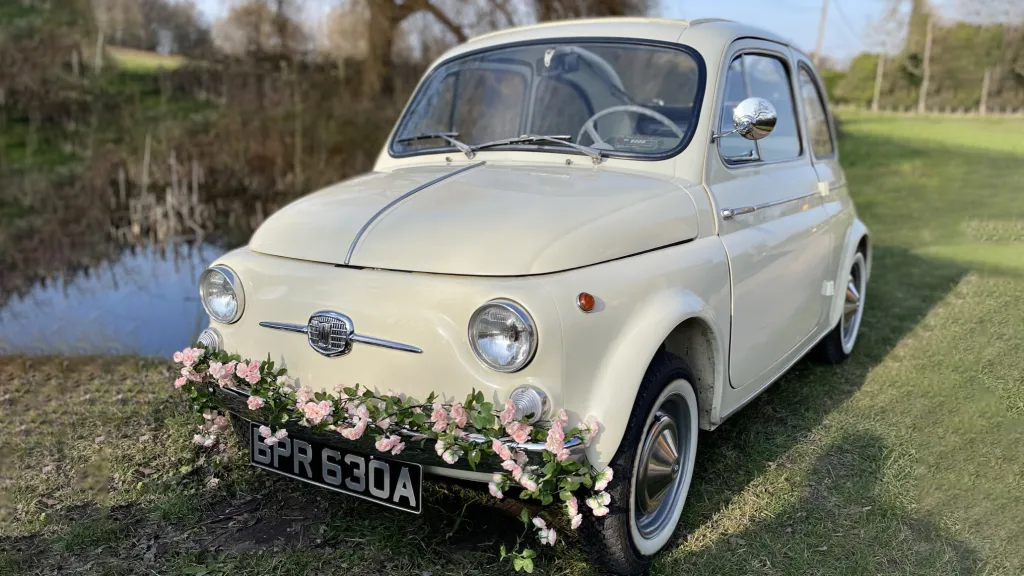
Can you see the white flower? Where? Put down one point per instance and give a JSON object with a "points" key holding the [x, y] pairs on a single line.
{"points": [[602, 479], [495, 491], [599, 503]]}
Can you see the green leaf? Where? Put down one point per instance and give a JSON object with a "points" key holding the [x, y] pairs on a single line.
{"points": [[565, 495], [518, 564], [546, 499], [549, 467], [480, 397], [529, 553], [474, 458], [587, 481], [503, 553], [420, 418], [528, 565], [350, 391], [525, 517], [487, 408]]}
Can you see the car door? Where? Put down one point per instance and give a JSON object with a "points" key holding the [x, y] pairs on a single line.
{"points": [[778, 251], [820, 134]]}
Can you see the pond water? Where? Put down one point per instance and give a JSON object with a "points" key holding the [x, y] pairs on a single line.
{"points": [[145, 301]]}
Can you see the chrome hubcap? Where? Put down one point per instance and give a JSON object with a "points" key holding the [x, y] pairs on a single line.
{"points": [[664, 452], [660, 464], [852, 305]]}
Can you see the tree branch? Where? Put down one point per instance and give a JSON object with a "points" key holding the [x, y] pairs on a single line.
{"points": [[416, 5]]}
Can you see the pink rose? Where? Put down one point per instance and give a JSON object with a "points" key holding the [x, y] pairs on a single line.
{"points": [[187, 358], [599, 503], [556, 438], [439, 417], [303, 395], [508, 415], [440, 446], [180, 382], [385, 444], [397, 448], [562, 416], [265, 432], [356, 432], [501, 450], [384, 424], [563, 455], [458, 413], [255, 402], [527, 481], [520, 457], [572, 506], [178, 357], [515, 469], [519, 432]]}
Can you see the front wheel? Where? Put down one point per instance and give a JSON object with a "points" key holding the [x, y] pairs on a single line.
{"points": [[652, 471]]}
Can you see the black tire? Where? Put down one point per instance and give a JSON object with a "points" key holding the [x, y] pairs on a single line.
{"points": [[836, 347], [609, 540]]}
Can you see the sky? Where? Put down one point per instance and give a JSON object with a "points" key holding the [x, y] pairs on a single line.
{"points": [[796, 20]]}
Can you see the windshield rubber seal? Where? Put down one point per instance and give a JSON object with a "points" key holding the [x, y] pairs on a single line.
{"points": [[698, 100]]}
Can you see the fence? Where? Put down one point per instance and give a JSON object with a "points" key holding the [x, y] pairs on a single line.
{"points": [[946, 111]]}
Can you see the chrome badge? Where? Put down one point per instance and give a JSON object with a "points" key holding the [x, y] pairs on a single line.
{"points": [[329, 333]]}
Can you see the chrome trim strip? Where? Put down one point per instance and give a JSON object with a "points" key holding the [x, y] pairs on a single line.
{"points": [[300, 328], [361, 338], [384, 343], [730, 213], [390, 205]]}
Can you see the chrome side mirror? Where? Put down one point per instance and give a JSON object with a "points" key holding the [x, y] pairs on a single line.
{"points": [[754, 118]]}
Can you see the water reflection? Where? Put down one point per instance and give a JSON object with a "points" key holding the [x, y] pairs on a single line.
{"points": [[144, 302]]}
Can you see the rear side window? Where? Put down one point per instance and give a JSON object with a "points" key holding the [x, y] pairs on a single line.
{"points": [[817, 121], [757, 75]]}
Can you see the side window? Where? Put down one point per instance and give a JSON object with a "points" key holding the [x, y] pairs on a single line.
{"points": [[765, 77], [817, 121], [734, 148]]}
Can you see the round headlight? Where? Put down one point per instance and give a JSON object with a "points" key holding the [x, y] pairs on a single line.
{"points": [[221, 294], [503, 336]]}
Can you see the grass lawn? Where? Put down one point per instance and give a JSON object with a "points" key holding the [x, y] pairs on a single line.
{"points": [[908, 459], [133, 60]]}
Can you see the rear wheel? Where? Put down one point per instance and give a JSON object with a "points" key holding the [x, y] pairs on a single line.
{"points": [[652, 472], [838, 345]]}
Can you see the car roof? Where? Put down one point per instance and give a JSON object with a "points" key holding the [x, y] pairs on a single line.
{"points": [[658, 29]]}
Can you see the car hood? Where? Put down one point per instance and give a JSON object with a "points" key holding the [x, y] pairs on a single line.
{"points": [[490, 220]]}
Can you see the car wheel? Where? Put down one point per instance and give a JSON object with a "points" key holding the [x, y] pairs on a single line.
{"points": [[838, 345], [652, 471]]}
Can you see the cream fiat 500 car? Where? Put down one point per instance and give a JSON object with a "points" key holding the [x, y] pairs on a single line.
{"points": [[642, 221]]}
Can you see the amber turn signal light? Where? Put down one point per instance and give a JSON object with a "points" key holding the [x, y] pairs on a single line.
{"points": [[585, 301]]}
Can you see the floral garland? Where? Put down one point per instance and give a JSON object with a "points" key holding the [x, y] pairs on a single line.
{"points": [[355, 411]]}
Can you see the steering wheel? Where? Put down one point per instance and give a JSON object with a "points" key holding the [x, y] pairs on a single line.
{"points": [[588, 126]]}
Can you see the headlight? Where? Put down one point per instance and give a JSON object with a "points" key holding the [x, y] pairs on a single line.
{"points": [[221, 294], [503, 336]]}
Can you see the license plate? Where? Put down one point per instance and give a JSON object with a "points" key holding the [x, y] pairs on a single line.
{"points": [[381, 480]]}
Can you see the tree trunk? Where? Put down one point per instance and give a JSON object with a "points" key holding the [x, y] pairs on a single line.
{"points": [[926, 68], [878, 82], [983, 105]]}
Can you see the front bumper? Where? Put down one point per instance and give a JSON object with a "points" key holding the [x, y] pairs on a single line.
{"points": [[418, 449]]}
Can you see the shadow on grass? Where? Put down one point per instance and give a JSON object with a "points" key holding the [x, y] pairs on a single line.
{"points": [[903, 288]]}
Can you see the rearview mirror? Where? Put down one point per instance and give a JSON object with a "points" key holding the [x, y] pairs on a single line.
{"points": [[754, 118]]}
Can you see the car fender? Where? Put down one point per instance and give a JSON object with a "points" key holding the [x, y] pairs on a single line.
{"points": [[618, 379]]}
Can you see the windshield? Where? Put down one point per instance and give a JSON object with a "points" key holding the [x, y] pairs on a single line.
{"points": [[623, 99]]}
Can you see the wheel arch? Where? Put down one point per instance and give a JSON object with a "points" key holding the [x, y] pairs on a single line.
{"points": [[858, 239], [678, 322]]}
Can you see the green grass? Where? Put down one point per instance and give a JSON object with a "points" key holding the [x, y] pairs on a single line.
{"points": [[132, 60], [908, 459]]}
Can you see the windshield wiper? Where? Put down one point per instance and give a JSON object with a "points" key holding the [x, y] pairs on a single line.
{"points": [[594, 153], [447, 136]]}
